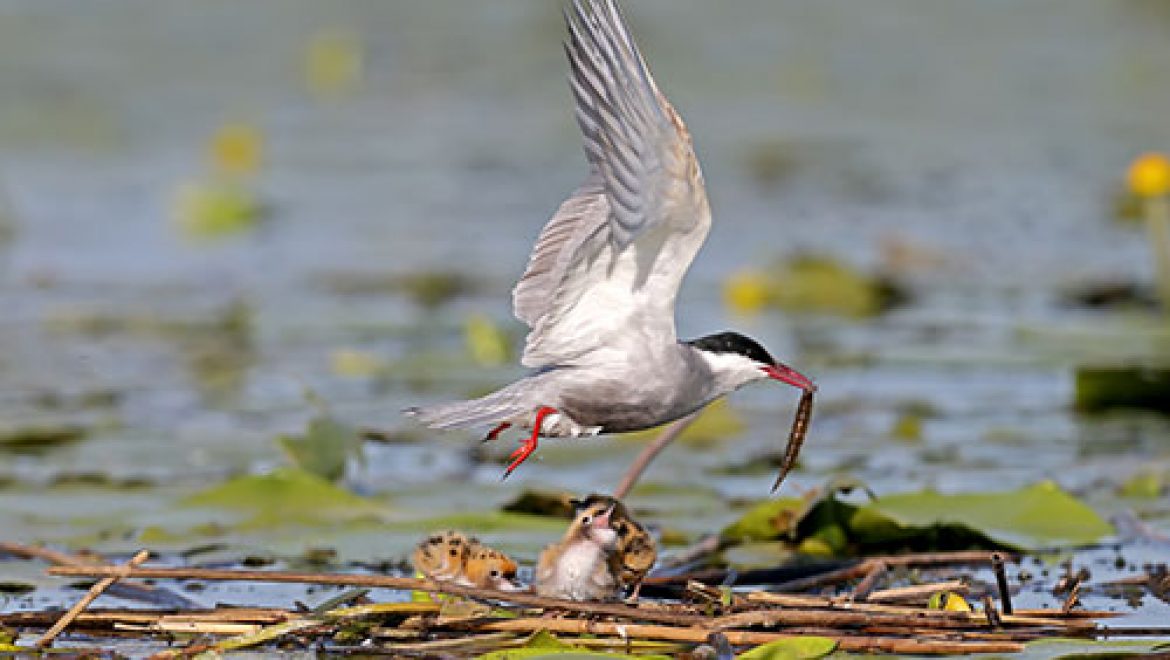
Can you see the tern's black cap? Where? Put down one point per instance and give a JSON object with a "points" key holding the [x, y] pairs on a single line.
{"points": [[733, 342]]}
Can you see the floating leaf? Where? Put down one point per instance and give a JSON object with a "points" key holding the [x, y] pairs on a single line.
{"points": [[288, 495], [352, 363], [767, 520], [1034, 517], [1039, 516], [487, 344], [544, 644], [38, 439], [215, 210], [792, 648], [820, 284], [1146, 485], [325, 448], [1081, 649], [481, 523], [1107, 387]]}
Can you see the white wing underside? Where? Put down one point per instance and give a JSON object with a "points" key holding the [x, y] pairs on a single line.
{"points": [[607, 267]]}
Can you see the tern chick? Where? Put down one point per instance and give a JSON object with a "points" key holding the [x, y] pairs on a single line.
{"points": [[454, 557], [635, 552], [580, 566]]}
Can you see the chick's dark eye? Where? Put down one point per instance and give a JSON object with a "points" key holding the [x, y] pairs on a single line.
{"points": [[495, 574], [585, 520]]}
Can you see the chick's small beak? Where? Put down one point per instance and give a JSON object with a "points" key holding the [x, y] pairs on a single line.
{"points": [[786, 374], [602, 521]]}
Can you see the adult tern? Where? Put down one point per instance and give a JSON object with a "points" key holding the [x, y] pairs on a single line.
{"points": [[599, 291]]}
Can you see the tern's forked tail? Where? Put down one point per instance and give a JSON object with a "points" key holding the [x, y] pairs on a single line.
{"points": [[499, 406]]}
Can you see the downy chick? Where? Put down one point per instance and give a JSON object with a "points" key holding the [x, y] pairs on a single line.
{"points": [[454, 557], [636, 551], [490, 569], [578, 567]]}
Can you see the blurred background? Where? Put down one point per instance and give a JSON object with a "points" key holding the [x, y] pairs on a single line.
{"points": [[238, 238]]}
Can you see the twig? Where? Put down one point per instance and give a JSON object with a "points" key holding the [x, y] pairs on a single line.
{"points": [[94, 591], [385, 582], [861, 592], [916, 592], [1005, 595], [993, 618], [1074, 597], [129, 590], [860, 569], [41, 552], [650, 452]]}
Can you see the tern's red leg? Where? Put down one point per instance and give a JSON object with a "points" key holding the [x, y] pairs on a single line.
{"points": [[495, 433], [525, 450]]}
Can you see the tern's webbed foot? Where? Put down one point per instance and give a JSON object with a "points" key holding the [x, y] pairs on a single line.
{"points": [[525, 450]]}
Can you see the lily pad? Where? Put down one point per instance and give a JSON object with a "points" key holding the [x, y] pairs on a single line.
{"points": [[1104, 388], [544, 644], [325, 448], [288, 495], [1039, 516], [792, 648]]}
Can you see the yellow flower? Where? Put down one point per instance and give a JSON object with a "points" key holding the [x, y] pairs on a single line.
{"points": [[236, 149], [1149, 175]]}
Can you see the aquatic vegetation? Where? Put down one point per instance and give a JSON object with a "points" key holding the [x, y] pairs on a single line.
{"points": [[334, 63], [812, 284], [324, 449], [286, 496], [1100, 388], [1034, 517], [487, 343], [209, 210], [236, 151], [1149, 180]]}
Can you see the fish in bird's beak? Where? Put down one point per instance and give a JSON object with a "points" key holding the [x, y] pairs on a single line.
{"points": [[787, 374]]}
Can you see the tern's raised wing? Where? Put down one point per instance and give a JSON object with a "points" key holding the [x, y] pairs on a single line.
{"points": [[607, 267]]}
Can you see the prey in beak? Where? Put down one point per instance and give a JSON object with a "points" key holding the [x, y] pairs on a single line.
{"points": [[796, 436]]}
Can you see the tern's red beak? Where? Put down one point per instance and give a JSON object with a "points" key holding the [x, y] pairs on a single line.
{"points": [[786, 374]]}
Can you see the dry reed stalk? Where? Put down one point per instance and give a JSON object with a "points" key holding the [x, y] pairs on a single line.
{"points": [[90, 596]]}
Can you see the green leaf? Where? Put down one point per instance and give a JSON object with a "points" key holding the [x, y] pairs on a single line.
{"points": [[792, 648], [287, 495], [1081, 649], [765, 521], [1034, 517], [324, 449], [544, 644]]}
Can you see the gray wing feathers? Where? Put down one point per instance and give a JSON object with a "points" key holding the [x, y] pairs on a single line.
{"points": [[619, 110], [642, 207], [579, 217]]}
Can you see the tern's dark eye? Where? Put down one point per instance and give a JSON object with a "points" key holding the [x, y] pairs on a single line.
{"points": [[584, 520]]}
